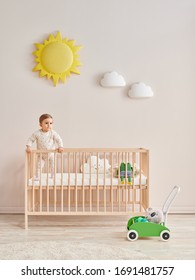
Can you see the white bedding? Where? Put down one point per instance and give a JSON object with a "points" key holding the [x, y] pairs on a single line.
{"points": [[77, 179]]}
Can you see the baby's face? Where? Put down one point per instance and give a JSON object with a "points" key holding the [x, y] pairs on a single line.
{"points": [[46, 124]]}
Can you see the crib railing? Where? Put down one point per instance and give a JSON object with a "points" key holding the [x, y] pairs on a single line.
{"points": [[86, 182]]}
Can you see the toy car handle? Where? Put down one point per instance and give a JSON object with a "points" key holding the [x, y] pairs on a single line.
{"points": [[169, 201]]}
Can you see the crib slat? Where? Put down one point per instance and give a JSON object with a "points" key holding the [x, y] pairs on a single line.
{"points": [[97, 181], [47, 188], [62, 178], [126, 181], [68, 182], [54, 178], [119, 183], [83, 181], [90, 179], [105, 183], [40, 187], [33, 181], [111, 156], [133, 186], [140, 184], [27, 196], [76, 182]]}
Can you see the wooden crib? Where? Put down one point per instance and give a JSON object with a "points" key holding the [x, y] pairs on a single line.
{"points": [[86, 181]]}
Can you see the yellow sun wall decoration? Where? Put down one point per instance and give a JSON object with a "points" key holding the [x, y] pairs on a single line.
{"points": [[57, 58]]}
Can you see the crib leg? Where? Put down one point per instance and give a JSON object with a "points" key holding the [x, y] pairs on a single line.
{"points": [[26, 221]]}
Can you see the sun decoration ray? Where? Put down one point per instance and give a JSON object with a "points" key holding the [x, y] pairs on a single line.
{"points": [[57, 58]]}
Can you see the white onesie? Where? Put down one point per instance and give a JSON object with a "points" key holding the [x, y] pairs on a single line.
{"points": [[45, 141]]}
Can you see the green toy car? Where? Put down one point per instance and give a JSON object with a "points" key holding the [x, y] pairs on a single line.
{"points": [[139, 226], [142, 229]]}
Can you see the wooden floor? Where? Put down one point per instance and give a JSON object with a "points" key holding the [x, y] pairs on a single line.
{"points": [[105, 230]]}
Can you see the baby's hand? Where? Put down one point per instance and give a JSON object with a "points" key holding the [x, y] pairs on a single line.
{"points": [[60, 150], [28, 149]]}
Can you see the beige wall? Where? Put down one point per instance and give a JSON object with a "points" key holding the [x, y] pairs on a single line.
{"points": [[145, 41]]}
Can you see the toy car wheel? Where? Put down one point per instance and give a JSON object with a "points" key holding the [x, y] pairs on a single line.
{"points": [[132, 235], [165, 235]]}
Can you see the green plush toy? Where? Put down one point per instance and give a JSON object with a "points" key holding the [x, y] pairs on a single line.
{"points": [[141, 220], [126, 170]]}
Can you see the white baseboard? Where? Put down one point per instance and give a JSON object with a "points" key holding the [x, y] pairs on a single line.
{"points": [[179, 209], [183, 210], [173, 210], [12, 210]]}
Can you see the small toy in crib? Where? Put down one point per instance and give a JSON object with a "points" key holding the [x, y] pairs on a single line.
{"points": [[95, 164], [126, 171]]}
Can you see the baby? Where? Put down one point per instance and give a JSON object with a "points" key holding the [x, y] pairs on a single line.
{"points": [[46, 139]]}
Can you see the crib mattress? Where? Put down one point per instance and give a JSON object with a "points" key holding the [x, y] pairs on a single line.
{"points": [[80, 179]]}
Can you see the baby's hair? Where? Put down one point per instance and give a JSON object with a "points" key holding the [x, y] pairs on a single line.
{"points": [[44, 116]]}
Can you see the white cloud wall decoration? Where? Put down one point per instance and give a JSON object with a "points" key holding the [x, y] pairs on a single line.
{"points": [[140, 90], [112, 79]]}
